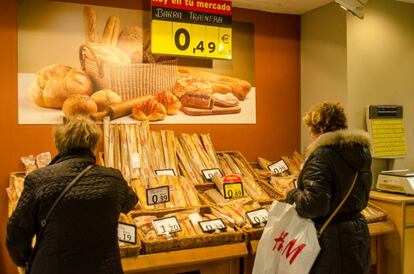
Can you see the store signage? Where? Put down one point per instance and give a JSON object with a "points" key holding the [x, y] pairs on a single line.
{"points": [[165, 226], [208, 173], [212, 225], [160, 172], [278, 167], [158, 195], [127, 233], [257, 216], [233, 187], [197, 28]]}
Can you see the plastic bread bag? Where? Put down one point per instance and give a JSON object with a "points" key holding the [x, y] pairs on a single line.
{"points": [[29, 163], [43, 159]]}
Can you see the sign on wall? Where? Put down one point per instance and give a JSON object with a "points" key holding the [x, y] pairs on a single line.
{"points": [[102, 61], [197, 28]]}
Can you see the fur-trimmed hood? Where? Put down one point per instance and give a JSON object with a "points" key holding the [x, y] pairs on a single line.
{"points": [[341, 138]]}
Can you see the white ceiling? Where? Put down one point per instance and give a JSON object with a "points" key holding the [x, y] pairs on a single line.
{"points": [[280, 6]]}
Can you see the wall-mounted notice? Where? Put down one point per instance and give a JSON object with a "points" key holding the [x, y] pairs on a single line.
{"points": [[386, 126], [197, 28]]}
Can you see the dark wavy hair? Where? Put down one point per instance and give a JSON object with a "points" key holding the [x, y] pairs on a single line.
{"points": [[326, 117]]}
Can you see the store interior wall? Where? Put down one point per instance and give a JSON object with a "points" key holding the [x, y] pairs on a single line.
{"points": [[375, 65], [276, 132]]}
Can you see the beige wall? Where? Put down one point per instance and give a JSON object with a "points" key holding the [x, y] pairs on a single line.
{"points": [[374, 64], [323, 59]]}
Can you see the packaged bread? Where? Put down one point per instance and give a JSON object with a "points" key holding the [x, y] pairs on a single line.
{"points": [[197, 100], [105, 97], [55, 83], [225, 100], [79, 104]]}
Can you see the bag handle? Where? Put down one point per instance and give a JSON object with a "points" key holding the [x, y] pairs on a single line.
{"points": [[333, 214]]}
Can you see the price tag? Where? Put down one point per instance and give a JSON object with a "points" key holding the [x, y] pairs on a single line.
{"points": [[165, 226], [158, 195], [160, 172], [192, 28], [233, 190], [208, 173], [278, 167], [257, 217], [212, 225], [136, 162], [127, 233]]}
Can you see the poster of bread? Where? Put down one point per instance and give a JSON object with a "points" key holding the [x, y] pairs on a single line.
{"points": [[95, 60]]}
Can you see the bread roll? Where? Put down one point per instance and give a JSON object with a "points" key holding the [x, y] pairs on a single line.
{"points": [[79, 105], [130, 42], [105, 97], [54, 84]]}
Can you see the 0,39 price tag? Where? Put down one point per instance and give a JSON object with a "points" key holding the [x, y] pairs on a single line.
{"points": [[208, 173], [233, 190], [165, 226], [127, 233], [212, 225], [278, 167], [158, 195], [257, 217]]}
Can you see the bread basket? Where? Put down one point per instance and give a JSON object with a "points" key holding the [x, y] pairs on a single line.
{"points": [[129, 80]]}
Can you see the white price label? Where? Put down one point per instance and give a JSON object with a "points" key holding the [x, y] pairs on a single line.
{"points": [[160, 172], [209, 173], [257, 217], [158, 195], [278, 167], [136, 161], [165, 226], [212, 225], [127, 233]]}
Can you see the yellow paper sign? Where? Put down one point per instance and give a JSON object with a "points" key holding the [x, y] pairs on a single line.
{"points": [[233, 190]]}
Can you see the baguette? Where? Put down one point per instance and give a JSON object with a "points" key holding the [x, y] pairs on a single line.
{"points": [[111, 31], [90, 25]]}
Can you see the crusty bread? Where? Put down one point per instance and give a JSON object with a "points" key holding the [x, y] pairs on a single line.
{"points": [[111, 31], [90, 25], [54, 84], [105, 97], [107, 54], [79, 104], [130, 42]]}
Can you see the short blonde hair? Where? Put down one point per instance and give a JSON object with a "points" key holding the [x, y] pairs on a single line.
{"points": [[77, 132], [326, 117]]}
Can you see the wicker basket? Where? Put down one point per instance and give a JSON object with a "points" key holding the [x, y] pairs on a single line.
{"points": [[130, 250], [129, 80]]}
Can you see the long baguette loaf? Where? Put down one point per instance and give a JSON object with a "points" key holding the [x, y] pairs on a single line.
{"points": [[90, 25], [111, 31]]}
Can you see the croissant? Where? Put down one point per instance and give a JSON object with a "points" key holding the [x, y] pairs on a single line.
{"points": [[150, 110], [171, 103]]}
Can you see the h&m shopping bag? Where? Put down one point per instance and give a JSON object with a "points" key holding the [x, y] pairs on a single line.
{"points": [[289, 244]]}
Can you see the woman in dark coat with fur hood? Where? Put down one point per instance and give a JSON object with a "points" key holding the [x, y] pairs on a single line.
{"points": [[333, 159]]}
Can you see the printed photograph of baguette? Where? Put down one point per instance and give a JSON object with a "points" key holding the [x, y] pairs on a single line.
{"points": [[119, 77]]}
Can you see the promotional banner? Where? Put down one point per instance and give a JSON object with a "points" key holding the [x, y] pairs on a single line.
{"points": [[95, 60]]}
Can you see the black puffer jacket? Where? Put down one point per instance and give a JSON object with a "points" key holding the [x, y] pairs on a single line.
{"points": [[81, 234], [327, 174]]}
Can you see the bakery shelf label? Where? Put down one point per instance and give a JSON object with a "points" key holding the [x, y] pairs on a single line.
{"points": [[158, 195], [257, 217], [165, 226], [209, 173], [232, 186], [278, 167], [197, 28], [169, 171], [127, 233], [212, 225]]}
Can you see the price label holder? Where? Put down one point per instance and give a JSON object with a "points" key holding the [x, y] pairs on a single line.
{"points": [[257, 217], [127, 233], [160, 172], [158, 195], [192, 28], [211, 226], [208, 173], [166, 226], [233, 190], [278, 167]]}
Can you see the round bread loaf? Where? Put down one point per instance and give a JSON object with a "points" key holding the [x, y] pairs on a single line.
{"points": [[105, 97], [79, 104], [130, 42], [54, 84]]}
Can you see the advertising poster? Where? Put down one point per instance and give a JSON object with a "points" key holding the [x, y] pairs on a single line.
{"points": [[75, 58]]}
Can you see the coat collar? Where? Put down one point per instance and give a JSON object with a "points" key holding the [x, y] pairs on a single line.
{"points": [[82, 153], [339, 137]]}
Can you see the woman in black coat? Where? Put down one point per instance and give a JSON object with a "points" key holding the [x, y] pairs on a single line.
{"points": [[333, 159], [81, 233]]}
